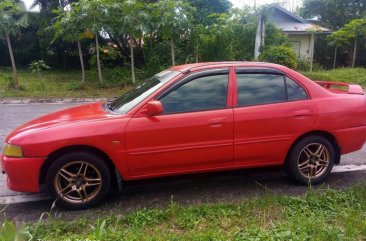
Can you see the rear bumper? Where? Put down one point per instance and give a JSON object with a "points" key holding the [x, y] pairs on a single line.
{"points": [[351, 139], [22, 173]]}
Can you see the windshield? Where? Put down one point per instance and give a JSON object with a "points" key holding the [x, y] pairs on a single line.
{"points": [[127, 101]]}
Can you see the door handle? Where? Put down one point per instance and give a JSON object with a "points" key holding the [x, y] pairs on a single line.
{"points": [[217, 122], [302, 113]]}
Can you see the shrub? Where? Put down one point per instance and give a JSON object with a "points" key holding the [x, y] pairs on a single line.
{"points": [[121, 76], [304, 65], [279, 55]]}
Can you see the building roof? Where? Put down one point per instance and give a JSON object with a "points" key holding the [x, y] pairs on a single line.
{"points": [[291, 23]]}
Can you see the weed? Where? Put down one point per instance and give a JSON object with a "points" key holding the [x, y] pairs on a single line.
{"points": [[322, 214]]}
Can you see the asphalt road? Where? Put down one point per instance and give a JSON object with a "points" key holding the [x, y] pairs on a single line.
{"points": [[232, 186]]}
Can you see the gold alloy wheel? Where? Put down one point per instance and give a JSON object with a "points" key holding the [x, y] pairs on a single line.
{"points": [[313, 160], [78, 182]]}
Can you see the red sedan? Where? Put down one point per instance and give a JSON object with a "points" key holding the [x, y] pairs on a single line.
{"points": [[190, 118]]}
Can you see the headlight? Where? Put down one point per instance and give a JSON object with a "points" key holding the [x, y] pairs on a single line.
{"points": [[12, 151]]}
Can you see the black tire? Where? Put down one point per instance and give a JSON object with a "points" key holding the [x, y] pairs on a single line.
{"points": [[302, 166], [83, 189]]}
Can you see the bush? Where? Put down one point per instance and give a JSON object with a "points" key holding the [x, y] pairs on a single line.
{"points": [[303, 64], [117, 75], [279, 55]]}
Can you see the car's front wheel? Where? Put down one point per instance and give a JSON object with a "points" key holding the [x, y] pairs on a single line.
{"points": [[78, 180], [311, 160]]}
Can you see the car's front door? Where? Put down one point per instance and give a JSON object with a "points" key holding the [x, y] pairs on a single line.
{"points": [[272, 110], [194, 132]]}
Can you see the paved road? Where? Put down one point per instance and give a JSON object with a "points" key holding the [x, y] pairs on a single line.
{"points": [[193, 189]]}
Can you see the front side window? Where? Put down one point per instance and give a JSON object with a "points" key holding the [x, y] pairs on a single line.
{"points": [[200, 94]]}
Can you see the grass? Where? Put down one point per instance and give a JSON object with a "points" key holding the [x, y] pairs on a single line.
{"points": [[317, 215], [59, 84], [355, 76]]}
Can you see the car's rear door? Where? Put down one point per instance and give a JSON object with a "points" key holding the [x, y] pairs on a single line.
{"points": [[195, 131], [272, 110]]}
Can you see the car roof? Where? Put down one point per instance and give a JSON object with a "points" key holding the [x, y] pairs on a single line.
{"points": [[188, 67]]}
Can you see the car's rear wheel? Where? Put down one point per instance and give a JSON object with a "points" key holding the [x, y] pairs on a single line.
{"points": [[78, 180], [311, 160]]}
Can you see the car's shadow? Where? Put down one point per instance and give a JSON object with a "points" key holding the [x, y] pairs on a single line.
{"points": [[207, 188]]}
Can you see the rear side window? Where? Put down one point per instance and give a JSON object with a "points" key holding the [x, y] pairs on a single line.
{"points": [[295, 91], [258, 88], [200, 94], [255, 89]]}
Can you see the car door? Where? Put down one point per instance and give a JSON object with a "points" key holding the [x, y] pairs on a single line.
{"points": [[194, 132], [272, 111]]}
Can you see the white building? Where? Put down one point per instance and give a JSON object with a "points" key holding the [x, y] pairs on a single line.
{"points": [[300, 32]]}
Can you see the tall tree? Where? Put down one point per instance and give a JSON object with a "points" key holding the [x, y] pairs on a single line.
{"points": [[354, 31], [92, 15], [176, 18], [12, 17], [333, 13], [207, 11], [128, 19], [69, 26], [337, 41]]}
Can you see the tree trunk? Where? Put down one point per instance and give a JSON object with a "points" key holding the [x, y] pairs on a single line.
{"points": [[132, 64], [354, 53], [100, 77], [81, 63], [335, 57], [41, 79], [173, 52], [312, 41], [15, 74], [196, 53], [259, 37]]}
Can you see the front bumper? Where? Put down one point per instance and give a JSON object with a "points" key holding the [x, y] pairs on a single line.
{"points": [[22, 173]]}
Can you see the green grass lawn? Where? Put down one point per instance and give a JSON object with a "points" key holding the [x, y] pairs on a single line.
{"points": [[59, 84], [327, 215], [355, 76]]}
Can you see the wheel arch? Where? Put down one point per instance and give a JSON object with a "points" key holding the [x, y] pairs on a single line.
{"points": [[75, 148], [329, 136]]}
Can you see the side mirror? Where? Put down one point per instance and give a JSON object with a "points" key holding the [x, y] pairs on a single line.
{"points": [[153, 107]]}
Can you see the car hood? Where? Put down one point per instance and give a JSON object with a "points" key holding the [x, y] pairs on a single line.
{"points": [[88, 112]]}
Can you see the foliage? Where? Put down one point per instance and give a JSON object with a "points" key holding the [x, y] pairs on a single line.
{"points": [[325, 214], [109, 57], [303, 64], [274, 37], [207, 11], [333, 13], [12, 17], [38, 66], [280, 55], [9, 231], [61, 84], [158, 32], [164, 33], [66, 84], [355, 76], [355, 29], [175, 21]]}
